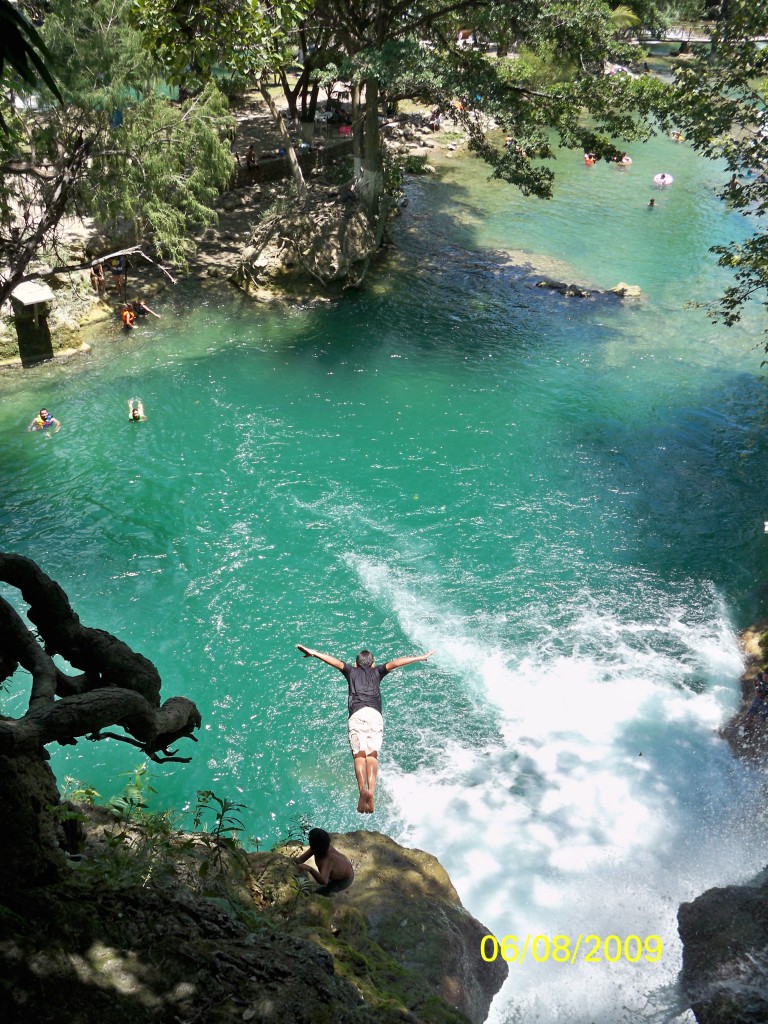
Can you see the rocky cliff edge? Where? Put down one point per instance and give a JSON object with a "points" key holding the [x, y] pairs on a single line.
{"points": [[157, 925]]}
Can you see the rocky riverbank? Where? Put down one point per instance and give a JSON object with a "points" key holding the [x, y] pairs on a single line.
{"points": [[153, 925], [725, 930], [231, 252]]}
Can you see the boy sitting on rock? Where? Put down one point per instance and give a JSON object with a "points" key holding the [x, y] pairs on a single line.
{"points": [[333, 871]]}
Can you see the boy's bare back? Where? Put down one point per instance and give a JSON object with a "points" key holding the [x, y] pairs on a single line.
{"points": [[339, 867]]}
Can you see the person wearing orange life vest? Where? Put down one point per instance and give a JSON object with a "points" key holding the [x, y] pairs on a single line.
{"points": [[128, 317], [44, 421]]}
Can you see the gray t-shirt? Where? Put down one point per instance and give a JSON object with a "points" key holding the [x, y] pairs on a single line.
{"points": [[364, 688]]}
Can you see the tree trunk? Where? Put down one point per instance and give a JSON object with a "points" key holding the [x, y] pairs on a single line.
{"points": [[370, 188], [290, 95], [293, 163], [31, 851], [357, 130]]}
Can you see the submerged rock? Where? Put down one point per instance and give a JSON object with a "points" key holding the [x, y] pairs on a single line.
{"points": [[629, 291], [747, 734], [579, 291]]}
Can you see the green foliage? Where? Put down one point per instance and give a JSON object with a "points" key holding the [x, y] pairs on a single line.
{"points": [[79, 792], [248, 37], [224, 835], [297, 830], [173, 167], [720, 99], [393, 175], [23, 51], [99, 56], [415, 164], [538, 68], [135, 795], [623, 17], [119, 149], [226, 824]]}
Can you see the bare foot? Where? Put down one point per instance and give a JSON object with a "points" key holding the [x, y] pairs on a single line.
{"points": [[368, 803], [362, 804]]}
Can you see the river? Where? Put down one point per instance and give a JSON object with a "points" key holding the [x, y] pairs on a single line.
{"points": [[560, 496]]}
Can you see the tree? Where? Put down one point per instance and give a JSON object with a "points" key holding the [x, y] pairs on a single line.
{"points": [[720, 100], [409, 51], [22, 51], [248, 37], [116, 686], [116, 149]]}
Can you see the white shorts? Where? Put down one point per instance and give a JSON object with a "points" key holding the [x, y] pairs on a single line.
{"points": [[366, 731]]}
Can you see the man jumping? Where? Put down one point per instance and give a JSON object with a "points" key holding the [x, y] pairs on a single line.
{"points": [[366, 726]]}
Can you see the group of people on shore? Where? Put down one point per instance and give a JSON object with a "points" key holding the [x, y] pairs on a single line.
{"points": [[116, 266], [129, 311]]}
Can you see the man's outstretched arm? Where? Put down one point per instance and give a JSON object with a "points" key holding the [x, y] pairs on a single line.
{"points": [[327, 658], [399, 662]]}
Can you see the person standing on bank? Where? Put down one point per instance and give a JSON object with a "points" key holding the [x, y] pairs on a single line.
{"points": [[366, 725]]}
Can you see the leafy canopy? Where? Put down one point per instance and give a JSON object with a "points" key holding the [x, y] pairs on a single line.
{"points": [[721, 101]]}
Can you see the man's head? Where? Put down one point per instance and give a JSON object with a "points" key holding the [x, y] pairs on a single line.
{"points": [[43, 414], [319, 841], [364, 659], [135, 414]]}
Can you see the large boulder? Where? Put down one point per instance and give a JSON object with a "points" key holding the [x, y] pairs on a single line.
{"points": [[725, 953], [725, 931], [400, 930], [747, 734], [414, 913], [154, 926]]}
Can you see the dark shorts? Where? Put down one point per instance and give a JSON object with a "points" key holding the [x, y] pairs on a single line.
{"points": [[332, 887]]}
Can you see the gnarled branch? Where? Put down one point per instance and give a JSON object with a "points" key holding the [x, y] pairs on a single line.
{"points": [[118, 686]]}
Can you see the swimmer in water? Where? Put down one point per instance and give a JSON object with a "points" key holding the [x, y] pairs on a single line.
{"points": [[140, 308], [44, 421], [128, 317], [135, 411], [651, 202]]}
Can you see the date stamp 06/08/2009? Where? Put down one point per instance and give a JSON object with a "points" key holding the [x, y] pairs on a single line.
{"points": [[563, 949]]}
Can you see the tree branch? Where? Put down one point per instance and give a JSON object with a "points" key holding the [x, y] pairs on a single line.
{"points": [[134, 250], [119, 686]]}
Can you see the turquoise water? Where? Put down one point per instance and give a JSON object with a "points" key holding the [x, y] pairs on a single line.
{"points": [[562, 497]]}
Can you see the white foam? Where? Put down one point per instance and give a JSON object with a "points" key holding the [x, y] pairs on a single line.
{"points": [[604, 801]]}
